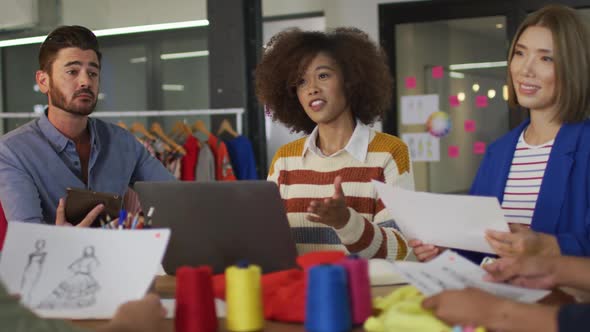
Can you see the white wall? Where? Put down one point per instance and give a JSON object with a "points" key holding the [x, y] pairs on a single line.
{"points": [[119, 13], [17, 14], [288, 7], [362, 14], [105, 14]]}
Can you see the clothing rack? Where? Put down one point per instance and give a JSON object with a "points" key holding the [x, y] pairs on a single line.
{"points": [[162, 113]]}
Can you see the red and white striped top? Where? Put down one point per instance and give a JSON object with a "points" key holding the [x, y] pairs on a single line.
{"points": [[524, 181]]}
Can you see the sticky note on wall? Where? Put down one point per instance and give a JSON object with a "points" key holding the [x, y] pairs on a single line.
{"points": [[481, 101], [469, 126], [479, 147], [410, 82], [453, 151], [454, 101], [437, 72]]}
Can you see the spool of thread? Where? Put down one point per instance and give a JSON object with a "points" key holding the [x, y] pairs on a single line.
{"points": [[359, 288], [195, 302], [244, 298], [327, 305]]}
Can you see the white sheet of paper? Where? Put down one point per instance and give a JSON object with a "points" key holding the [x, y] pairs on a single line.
{"points": [[452, 271], [423, 146], [417, 109], [452, 221], [381, 274], [79, 273]]}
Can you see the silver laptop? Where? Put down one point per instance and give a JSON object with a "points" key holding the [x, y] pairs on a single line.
{"points": [[221, 223]]}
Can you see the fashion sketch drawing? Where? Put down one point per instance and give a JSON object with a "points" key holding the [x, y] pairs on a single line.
{"points": [[32, 272], [79, 290]]}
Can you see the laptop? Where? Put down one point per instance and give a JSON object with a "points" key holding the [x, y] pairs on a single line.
{"points": [[221, 223]]}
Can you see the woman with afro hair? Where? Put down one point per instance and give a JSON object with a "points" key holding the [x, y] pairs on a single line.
{"points": [[332, 86]]}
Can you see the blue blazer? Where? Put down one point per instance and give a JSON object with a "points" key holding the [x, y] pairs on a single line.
{"points": [[564, 199]]}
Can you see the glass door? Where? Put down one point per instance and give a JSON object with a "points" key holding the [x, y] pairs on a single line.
{"points": [[451, 97]]}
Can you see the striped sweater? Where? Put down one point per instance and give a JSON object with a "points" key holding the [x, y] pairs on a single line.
{"points": [[370, 232]]}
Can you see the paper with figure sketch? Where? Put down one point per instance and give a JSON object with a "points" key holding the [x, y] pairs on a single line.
{"points": [[452, 221], [79, 273], [452, 271], [417, 109]]}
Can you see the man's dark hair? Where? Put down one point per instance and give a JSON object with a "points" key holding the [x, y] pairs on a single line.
{"points": [[64, 37]]}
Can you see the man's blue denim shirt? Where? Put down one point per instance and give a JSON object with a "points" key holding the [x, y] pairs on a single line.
{"points": [[38, 163]]}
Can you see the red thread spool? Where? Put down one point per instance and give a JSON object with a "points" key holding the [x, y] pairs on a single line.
{"points": [[195, 302]]}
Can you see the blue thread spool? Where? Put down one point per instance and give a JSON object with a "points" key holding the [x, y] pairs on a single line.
{"points": [[327, 306]]}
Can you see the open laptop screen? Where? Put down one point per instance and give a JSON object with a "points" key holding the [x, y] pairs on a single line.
{"points": [[221, 223]]}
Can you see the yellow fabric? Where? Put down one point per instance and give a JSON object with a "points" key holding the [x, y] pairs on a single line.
{"points": [[402, 311]]}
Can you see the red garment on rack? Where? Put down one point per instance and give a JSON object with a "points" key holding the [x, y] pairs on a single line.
{"points": [[189, 161], [223, 167], [3, 227]]}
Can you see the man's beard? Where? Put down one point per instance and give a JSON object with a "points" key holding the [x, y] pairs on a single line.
{"points": [[58, 99]]}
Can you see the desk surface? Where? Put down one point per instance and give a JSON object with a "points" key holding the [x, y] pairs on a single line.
{"points": [[166, 285]]}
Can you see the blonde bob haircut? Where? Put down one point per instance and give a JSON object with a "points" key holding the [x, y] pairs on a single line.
{"points": [[571, 50]]}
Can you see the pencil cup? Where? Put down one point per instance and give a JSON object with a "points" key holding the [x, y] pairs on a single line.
{"points": [[195, 302], [327, 306], [359, 288], [244, 298]]}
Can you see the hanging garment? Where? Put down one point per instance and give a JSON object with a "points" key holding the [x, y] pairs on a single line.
{"points": [[223, 168], [205, 170], [189, 161], [242, 158]]}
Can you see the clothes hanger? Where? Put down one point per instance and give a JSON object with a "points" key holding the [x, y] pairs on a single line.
{"points": [[137, 127], [157, 129], [201, 127], [186, 129], [225, 126], [124, 126], [176, 129]]}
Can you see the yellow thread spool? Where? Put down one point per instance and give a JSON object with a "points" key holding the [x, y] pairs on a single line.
{"points": [[244, 299]]}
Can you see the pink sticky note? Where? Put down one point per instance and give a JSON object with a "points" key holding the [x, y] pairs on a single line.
{"points": [[454, 101], [469, 126], [453, 151], [481, 101], [437, 72], [479, 148], [410, 82]]}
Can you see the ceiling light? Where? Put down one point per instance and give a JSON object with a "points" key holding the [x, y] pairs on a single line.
{"points": [[491, 93], [455, 74], [478, 65], [499, 26], [475, 87], [184, 55], [138, 60], [173, 87], [461, 96], [114, 31], [505, 92]]}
